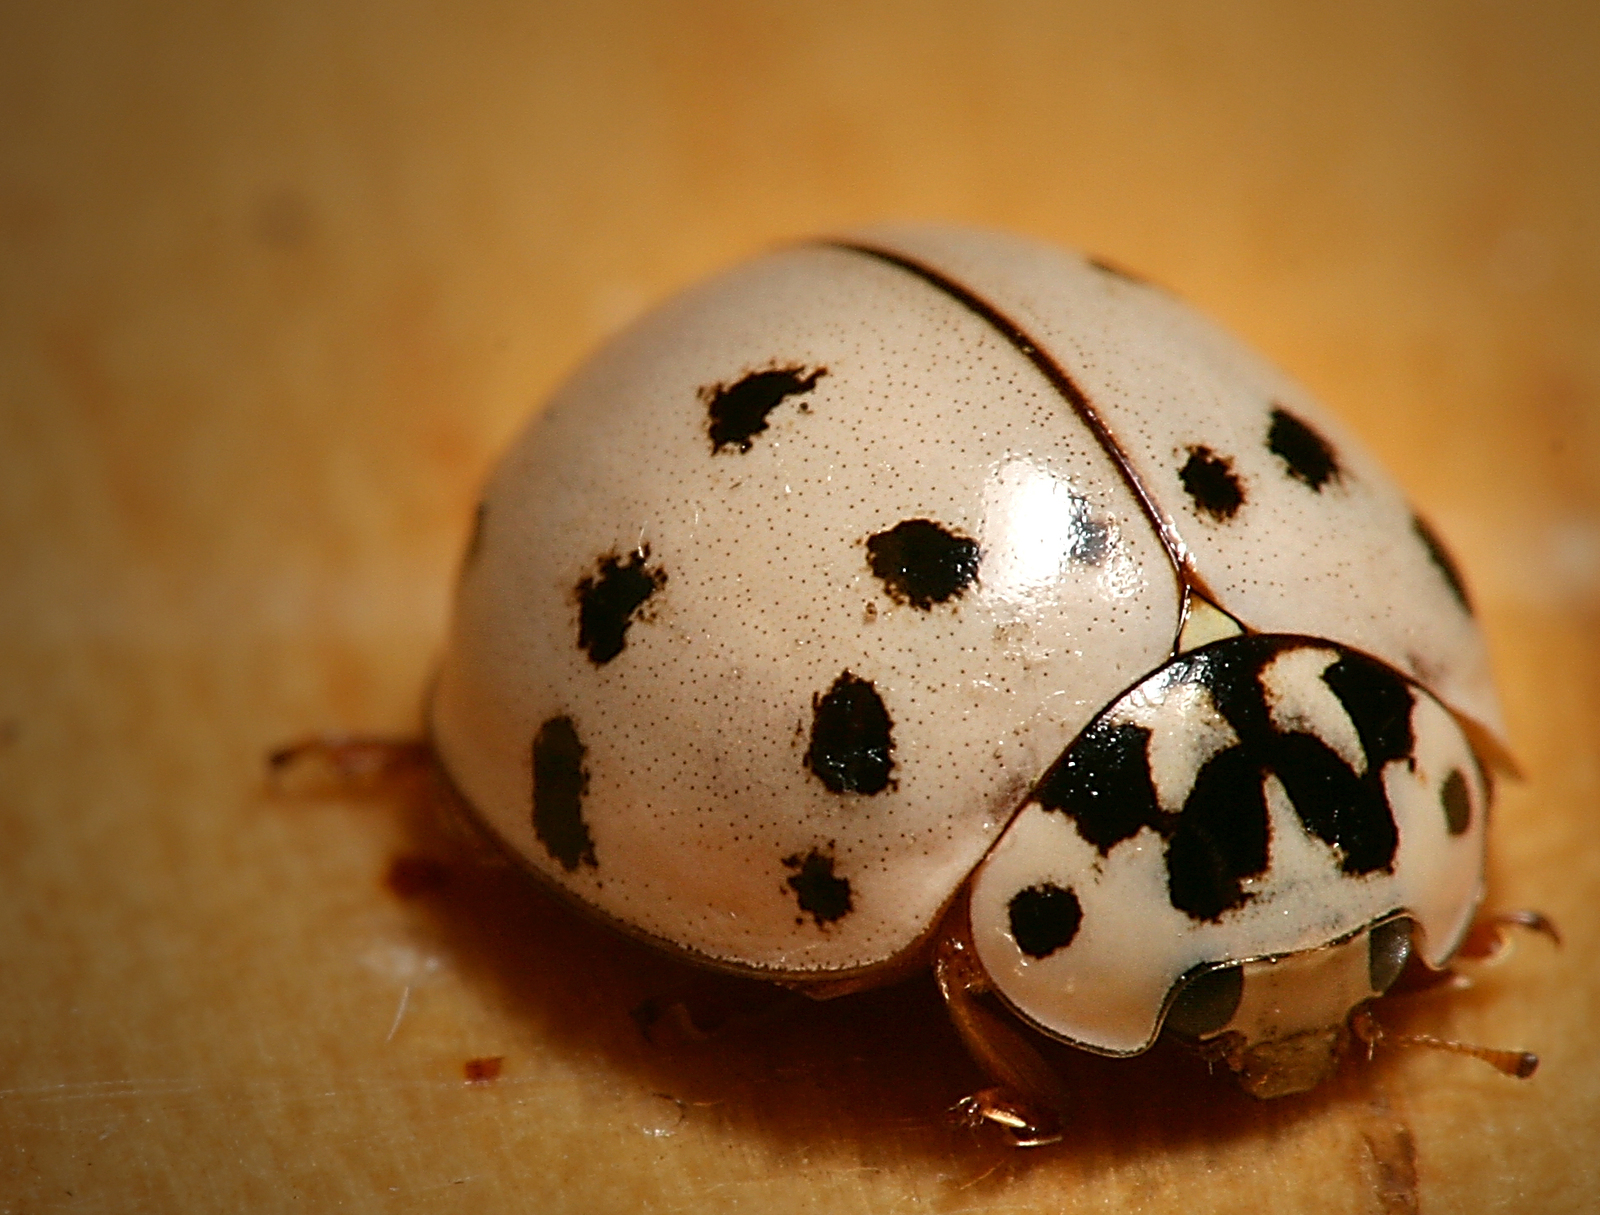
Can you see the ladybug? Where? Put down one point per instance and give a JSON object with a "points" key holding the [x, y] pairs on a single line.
{"points": [[935, 597]]}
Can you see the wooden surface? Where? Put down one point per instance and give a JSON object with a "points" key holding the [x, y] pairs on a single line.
{"points": [[277, 281]]}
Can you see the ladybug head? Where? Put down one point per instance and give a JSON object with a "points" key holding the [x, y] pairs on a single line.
{"points": [[1281, 1024]]}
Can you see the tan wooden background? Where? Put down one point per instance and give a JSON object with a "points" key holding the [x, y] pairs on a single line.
{"points": [[277, 280]]}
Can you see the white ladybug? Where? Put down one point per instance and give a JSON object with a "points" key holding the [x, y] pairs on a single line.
{"points": [[937, 596]]}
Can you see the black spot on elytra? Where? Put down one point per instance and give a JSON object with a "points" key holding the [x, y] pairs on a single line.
{"points": [[1221, 836], [1044, 918], [559, 783], [823, 895], [1210, 481], [608, 600], [739, 410], [1457, 802], [851, 747], [1441, 558], [921, 563], [1306, 455]]}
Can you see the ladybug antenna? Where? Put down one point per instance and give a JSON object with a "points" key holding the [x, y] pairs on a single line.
{"points": [[1518, 1063]]}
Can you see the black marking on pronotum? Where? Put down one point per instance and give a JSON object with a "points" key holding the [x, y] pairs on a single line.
{"points": [[921, 563], [1216, 841], [852, 749], [1379, 703], [823, 895], [1357, 819], [559, 783], [1306, 455], [1221, 836], [1209, 479], [739, 410], [1062, 383], [608, 601], [1103, 783], [1044, 918], [1441, 558], [1347, 812], [1457, 802]]}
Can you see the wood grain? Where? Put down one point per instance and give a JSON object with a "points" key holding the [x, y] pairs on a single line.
{"points": [[277, 281]]}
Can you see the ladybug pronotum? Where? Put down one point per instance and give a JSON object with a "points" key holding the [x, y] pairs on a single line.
{"points": [[936, 597]]}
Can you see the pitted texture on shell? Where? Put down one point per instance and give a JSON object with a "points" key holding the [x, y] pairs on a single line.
{"points": [[865, 636], [1255, 797], [1300, 549]]}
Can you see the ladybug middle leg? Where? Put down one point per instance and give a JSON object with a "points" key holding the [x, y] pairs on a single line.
{"points": [[1028, 1097]]}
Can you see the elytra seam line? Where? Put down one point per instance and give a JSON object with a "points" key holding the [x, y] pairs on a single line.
{"points": [[1060, 381]]}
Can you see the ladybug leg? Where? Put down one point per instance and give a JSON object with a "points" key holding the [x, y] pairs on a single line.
{"points": [[1488, 937], [1028, 1097], [1487, 940], [338, 764], [1027, 1126], [698, 1007]]}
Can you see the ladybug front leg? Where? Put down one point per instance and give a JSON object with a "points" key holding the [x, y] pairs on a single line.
{"points": [[1488, 938], [1028, 1097]]}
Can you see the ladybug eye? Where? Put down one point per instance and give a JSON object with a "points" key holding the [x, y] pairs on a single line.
{"points": [[1206, 1002], [1389, 947]]}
